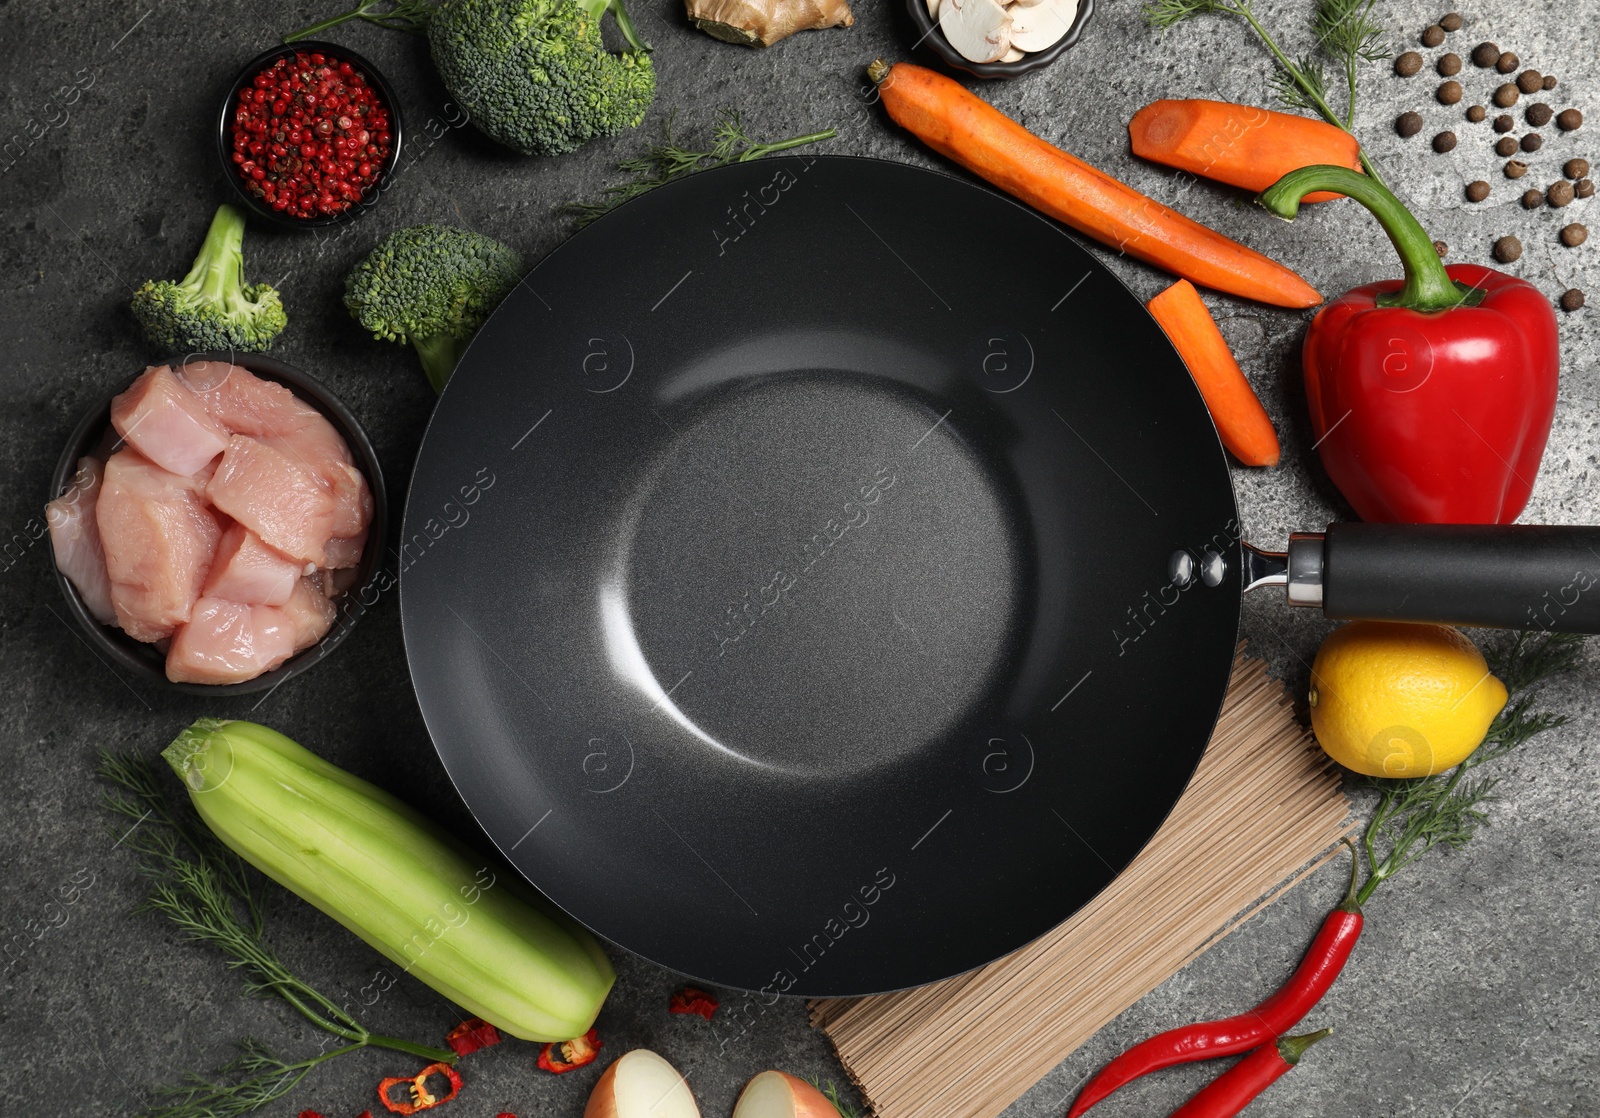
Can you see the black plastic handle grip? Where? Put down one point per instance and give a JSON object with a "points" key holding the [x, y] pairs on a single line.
{"points": [[1508, 576]]}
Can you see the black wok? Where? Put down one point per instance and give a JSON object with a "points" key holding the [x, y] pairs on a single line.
{"points": [[821, 576]]}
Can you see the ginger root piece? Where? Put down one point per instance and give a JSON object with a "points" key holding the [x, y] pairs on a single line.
{"points": [[760, 23]]}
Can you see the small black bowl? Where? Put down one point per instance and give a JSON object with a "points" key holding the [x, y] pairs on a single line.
{"points": [[93, 436], [929, 35], [225, 143]]}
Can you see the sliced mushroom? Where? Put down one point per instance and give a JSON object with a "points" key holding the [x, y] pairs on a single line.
{"points": [[1041, 25], [980, 30], [1014, 55]]}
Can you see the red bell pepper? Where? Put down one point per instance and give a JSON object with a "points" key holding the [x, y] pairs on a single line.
{"points": [[1431, 399]]}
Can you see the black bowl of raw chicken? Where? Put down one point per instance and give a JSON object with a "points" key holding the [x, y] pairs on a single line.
{"points": [[236, 512]]}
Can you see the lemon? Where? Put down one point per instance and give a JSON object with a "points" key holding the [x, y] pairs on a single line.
{"points": [[1401, 700]]}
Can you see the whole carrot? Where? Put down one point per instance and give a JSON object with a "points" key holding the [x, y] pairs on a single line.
{"points": [[1237, 1087], [1239, 144], [1228, 1037], [970, 131], [1243, 423]]}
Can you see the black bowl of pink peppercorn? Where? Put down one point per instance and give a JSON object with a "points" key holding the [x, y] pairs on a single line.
{"points": [[308, 134]]}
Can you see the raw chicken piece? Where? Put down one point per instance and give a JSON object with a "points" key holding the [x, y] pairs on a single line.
{"points": [[269, 413], [310, 612], [344, 551], [270, 494], [248, 571], [319, 449], [229, 642], [75, 538], [161, 419], [244, 403], [158, 538]]}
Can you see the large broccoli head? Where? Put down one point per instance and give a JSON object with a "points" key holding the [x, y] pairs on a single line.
{"points": [[432, 286], [534, 74], [212, 307]]}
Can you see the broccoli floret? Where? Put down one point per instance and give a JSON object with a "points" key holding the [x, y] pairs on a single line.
{"points": [[212, 307], [534, 74], [432, 286]]}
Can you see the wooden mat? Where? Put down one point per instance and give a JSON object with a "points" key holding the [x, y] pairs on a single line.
{"points": [[1265, 808]]}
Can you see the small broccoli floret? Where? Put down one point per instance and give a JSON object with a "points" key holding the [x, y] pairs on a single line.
{"points": [[212, 307], [535, 75], [432, 286]]}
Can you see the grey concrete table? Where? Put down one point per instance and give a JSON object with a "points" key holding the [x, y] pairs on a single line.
{"points": [[1474, 991]]}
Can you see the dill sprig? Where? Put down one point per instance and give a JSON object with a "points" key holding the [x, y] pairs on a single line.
{"points": [[1414, 816], [203, 888], [831, 1093], [1346, 34], [667, 161], [410, 16]]}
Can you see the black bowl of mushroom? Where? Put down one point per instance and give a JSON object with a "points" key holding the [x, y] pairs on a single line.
{"points": [[999, 38]]}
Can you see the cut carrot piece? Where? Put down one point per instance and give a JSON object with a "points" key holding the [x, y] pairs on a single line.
{"points": [[1239, 144], [961, 126], [1242, 422]]}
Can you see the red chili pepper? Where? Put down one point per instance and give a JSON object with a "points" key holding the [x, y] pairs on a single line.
{"points": [[1431, 400], [417, 1096], [1237, 1087], [471, 1035], [692, 999], [1228, 1037], [564, 1055], [311, 1114]]}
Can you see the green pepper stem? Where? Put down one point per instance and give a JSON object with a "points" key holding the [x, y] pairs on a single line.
{"points": [[1291, 1048], [1352, 901], [1428, 287]]}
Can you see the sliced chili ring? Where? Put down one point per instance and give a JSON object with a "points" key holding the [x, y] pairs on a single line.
{"points": [[564, 1055]]}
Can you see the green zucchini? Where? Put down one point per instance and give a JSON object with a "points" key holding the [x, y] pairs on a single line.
{"points": [[410, 890]]}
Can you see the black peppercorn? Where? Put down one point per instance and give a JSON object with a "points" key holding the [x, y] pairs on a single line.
{"points": [[1507, 63], [1584, 188], [1507, 249], [1530, 81], [1561, 193], [1449, 92], [1516, 169], [1572, 299], [1408, 124], [1532, 142], [1569, 120], [1576, 169], [1505, 145], [1539, 114], [1432, 36], [1485, 55], [1476, 114], [1444, 141], [1506, 95], [1408, 63], [1532, 199], [1441, 248], [1550, 81], [1574, 235], [1448, 65], [1452, 21], [1477, 191], [1504, 123]]}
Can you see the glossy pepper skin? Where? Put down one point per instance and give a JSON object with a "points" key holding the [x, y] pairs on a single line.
{"points": [[1431, 397]]}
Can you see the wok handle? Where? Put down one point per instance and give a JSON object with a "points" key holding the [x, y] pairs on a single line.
{"points": [[1507, 576]]}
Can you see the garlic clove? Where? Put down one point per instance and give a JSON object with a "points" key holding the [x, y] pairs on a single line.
{"points": [[1015, 54], [1041, 25], [979, 30], [933, 10]]}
